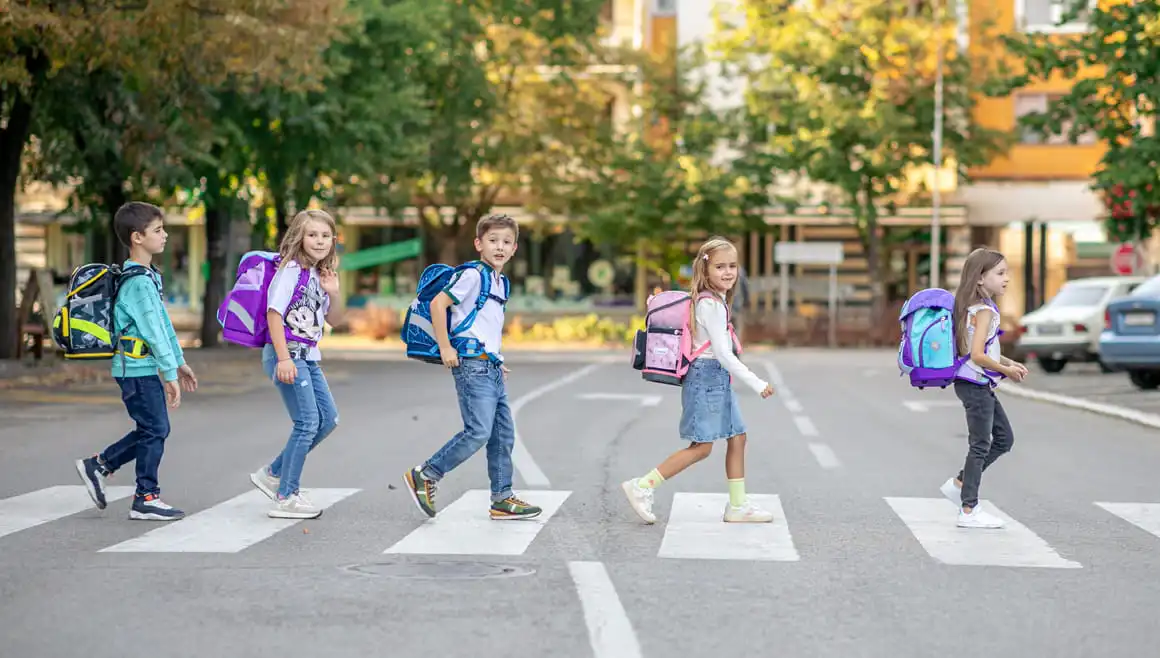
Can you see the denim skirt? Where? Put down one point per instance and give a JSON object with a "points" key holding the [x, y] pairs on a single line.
{"points": [[709, 409]]}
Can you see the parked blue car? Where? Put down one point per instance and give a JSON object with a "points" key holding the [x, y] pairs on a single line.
{"points": [[1131, 337]]}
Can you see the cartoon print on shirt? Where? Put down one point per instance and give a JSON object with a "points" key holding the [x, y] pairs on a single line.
{"points": [[304, 317]]}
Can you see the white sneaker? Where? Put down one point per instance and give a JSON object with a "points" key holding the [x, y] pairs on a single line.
{"points": [[952, 492], [979, 519], [747, 513], [293, 507], [266, 483], [641, 499]]}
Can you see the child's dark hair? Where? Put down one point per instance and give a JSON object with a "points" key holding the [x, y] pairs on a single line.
{"points": [[496, 221], [132, 218]]}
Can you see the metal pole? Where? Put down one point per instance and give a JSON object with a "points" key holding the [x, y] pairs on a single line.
{"points": [[936, 196], [833, 323]]}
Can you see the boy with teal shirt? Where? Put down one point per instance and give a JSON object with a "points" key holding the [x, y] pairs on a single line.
{"points": [[148, 348]]}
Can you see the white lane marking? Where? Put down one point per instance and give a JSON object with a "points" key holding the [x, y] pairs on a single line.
{"points": [[521, 458], [39, 507], [923, 406], [609, 630], [695, 531], [464, 527], [793, 405], [1145, 516], [228, 527], [805, 425], [825, 455], [932, 522], [780, 390], [644, 400]]}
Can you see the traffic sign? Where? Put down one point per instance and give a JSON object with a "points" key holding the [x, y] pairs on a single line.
{"points": [[1127, 259]]}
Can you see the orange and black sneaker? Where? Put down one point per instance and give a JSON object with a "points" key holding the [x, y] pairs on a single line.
{"points": [[422, 491], [513, 508]]}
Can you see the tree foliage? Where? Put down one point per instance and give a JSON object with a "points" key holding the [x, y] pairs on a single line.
{"points": [[1115, 96]]}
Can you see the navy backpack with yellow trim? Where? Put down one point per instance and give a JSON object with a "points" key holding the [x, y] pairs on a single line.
{"points": [[83, 327]]}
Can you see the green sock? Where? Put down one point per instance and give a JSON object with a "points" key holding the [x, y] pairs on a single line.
{"points": [[652, 480], [737, 492]]}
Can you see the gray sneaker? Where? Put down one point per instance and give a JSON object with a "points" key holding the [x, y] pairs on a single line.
{"points": [[266, 483], [294, 507]]}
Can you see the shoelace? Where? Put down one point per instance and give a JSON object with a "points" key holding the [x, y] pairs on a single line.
{"points": [[516, 501]]}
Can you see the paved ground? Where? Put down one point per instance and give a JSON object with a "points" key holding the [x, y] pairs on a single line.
{"points": [[1084, 380], [865, 560]]}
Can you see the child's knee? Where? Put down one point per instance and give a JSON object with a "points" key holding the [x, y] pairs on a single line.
{"points": [[738, 440], [701, 450]]}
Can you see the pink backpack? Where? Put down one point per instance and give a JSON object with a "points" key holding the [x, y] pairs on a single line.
{"points": [[663, 351]]}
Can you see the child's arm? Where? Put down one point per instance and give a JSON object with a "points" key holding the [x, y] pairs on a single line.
{"points": [[982, 319], [329, 282], [286, 372], [712, 316], [439, 306]]}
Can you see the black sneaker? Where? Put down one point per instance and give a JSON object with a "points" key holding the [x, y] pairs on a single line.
{"points": [[150, 508], [93, 474]]}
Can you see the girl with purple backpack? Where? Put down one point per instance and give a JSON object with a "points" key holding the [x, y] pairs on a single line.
{"points": [[976, 330], [709, 407], [298, 308]]}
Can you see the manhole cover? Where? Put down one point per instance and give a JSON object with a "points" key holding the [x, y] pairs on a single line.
{"points": [[448, 570]]}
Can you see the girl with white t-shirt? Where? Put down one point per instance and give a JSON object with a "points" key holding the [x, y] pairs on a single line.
{"points": [[292, 364], [976, 323], [709, 407]]}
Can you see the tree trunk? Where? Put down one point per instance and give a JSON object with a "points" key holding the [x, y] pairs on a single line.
{"points": [[113, 198], [280, 198], [12, 139], [216, 230]]}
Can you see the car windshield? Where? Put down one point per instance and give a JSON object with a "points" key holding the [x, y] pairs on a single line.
{"points": [[1079, 296], [1150, 288]]}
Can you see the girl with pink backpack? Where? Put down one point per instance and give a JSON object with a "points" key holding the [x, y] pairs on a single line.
{"points": [[709, 407]]}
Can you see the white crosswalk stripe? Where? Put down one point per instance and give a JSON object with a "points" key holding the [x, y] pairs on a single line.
{"points": [[40, 507], [695, 531], [1145, 516], [932, 522], [464, 527], [228, 527]]}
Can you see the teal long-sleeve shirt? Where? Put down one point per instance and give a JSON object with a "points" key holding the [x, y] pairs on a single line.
{"points": [[139, 312]]}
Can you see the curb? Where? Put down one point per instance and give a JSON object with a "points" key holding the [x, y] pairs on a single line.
{"points": [[1110, 410]]}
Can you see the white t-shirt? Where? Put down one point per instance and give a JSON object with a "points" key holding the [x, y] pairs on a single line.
{"points": [[307, 316], [970, 369], [713, 328], [488, 326]]}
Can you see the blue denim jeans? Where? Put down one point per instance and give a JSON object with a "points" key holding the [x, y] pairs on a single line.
{"points": [[144, 399], [487, 419], [311, 408]]}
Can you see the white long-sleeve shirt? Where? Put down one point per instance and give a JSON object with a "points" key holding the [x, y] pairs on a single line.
{"points": [[712, 328]]}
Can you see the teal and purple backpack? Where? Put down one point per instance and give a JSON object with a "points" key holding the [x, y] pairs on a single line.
{"points": [[927, 349]]}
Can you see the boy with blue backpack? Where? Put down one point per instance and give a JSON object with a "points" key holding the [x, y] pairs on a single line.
{"points": [[142, 344], [457, 319]]}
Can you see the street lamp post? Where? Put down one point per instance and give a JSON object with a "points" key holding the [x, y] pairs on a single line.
{"points": [[936, 195]]}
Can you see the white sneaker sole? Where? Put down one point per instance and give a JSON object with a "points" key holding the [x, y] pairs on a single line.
{"points": [[80, 463], [979, 526], [626, 487], [272, 495], [280, 514], [134, 515]]}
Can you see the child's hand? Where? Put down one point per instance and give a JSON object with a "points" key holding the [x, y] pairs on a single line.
{"points": [[1016, 372], [449, 356], [286, 372], [328, 279], [505, 371], [767, 392], [173, 394], [187, 378]]}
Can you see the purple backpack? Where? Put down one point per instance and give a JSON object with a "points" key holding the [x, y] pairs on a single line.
{"points": [[927, 350], [242, 313]]}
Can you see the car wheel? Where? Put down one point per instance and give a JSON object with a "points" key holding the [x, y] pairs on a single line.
{"points": [[1052, 365], [1145, 380]]}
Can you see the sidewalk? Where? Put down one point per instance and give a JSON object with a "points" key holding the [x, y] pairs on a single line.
{"points": [[1083, 386]]}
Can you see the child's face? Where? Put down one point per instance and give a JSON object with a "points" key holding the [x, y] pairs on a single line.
{"points": [[496, 247], [995, 280], [153, 238], [723, 269], [317, 240]]}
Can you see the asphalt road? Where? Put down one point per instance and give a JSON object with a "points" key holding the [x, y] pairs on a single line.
{"points": [[864, 561]]}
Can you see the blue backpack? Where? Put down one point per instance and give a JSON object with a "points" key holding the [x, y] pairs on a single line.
{"points": [[927, 349], [418, 332]]}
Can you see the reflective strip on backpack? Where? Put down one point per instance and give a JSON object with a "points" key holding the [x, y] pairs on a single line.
{"points": [[241, 314], [91, 328], [88, 283]]}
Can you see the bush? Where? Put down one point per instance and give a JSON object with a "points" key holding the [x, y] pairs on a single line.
{"points": [[591, 329]]}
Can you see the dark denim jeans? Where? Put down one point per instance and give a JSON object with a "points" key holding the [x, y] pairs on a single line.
{"points": [[144, 399], [487, 420], [988, 433]]}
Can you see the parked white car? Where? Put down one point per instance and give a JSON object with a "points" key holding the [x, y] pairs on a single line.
{"points": [[1068, 327]]}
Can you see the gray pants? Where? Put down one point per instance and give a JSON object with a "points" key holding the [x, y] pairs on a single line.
{"points": [[988, 433]]}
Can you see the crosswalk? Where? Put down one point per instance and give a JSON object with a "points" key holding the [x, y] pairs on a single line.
{"points": [[692, 529]]}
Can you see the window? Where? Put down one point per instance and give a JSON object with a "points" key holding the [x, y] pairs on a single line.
{"points": [[1044, 15], [1074, 295], [665, 7], [1037, 103]]}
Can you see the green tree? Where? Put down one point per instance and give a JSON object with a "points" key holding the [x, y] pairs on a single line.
{"points": [[848, 92], [1115, 97], [162, 45]]}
